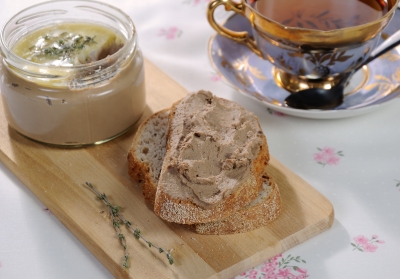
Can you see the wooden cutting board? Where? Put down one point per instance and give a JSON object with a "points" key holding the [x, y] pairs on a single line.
{"points": [[57, 176]]}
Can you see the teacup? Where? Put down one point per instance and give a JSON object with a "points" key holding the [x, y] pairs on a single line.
{"points": [[310, 43]]}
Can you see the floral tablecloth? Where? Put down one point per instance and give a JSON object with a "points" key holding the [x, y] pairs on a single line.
{"points": [[354, 162]]}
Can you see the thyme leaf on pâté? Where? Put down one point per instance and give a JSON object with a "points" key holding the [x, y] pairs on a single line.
{"points": [[64, 47], [117, 219]]}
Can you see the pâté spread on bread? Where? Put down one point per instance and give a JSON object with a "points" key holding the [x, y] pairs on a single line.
{"points": [[73, 78], [208, 168], [213, 144]]}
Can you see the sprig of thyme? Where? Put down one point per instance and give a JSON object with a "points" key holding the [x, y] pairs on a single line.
{"points": [[64, 47], [117, 218], [114, 217]]}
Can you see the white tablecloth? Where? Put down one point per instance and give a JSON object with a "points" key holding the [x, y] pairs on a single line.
{"points": [[354, 162]]}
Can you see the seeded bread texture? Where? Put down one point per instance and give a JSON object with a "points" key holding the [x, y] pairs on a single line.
{"points": [[184, 211], [202, 119]]}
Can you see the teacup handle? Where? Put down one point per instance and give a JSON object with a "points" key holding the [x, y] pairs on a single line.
{"points": [[240, 37]]}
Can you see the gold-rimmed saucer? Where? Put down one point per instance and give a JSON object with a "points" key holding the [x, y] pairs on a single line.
{"points": [[370, 88]]}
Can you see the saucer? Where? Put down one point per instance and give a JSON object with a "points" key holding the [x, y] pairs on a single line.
{"points": [[369, 89]]}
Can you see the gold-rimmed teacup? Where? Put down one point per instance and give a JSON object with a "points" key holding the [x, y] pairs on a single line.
{"points": [[310, 43]]}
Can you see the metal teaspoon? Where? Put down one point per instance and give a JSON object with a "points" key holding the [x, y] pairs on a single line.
{"points": [[319, 98]]}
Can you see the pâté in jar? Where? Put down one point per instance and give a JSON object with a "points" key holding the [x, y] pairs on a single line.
{"points": [[72, 73]]}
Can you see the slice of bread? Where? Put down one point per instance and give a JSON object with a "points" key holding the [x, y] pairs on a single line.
{"points": [[176, 201], [216, 153], [147, 153], [145, 167]]}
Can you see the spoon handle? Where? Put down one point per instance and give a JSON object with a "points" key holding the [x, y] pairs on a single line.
{"points": [[386, 45]]}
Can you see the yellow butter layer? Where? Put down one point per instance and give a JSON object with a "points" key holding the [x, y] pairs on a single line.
{"points": [[69, 44]]}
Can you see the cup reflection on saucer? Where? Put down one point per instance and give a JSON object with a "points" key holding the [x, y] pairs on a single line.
{"points": [[310, 43]]}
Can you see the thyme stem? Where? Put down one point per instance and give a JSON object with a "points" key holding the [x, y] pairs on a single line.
{"points": [[116, 218], [120, 236]]}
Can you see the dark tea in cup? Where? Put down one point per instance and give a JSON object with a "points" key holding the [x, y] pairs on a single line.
{"points": [[311, 43], [322, 14]]}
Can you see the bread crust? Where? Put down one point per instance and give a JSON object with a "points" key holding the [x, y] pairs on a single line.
{"points": [[186, 212], [249, 218]]}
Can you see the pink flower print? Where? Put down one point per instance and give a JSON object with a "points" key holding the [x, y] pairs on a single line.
{"points": [[270, 276], [253, 274], [303, 273], [332, 160], [276, 258], [369, 247], [284, 272], [271, 264], [328, 150], [301, 270], [360, 239], [327, 156], [319, 157], [363, 244], [170, 33], [268, 269], [278, 267]]}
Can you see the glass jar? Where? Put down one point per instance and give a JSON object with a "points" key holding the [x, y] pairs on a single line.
{"points": [[72, 105]]}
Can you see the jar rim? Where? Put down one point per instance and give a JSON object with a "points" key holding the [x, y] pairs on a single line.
{"points": [[131, 43]]}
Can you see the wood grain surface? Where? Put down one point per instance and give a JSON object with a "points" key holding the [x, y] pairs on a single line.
{"points": [[57, 176]]}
